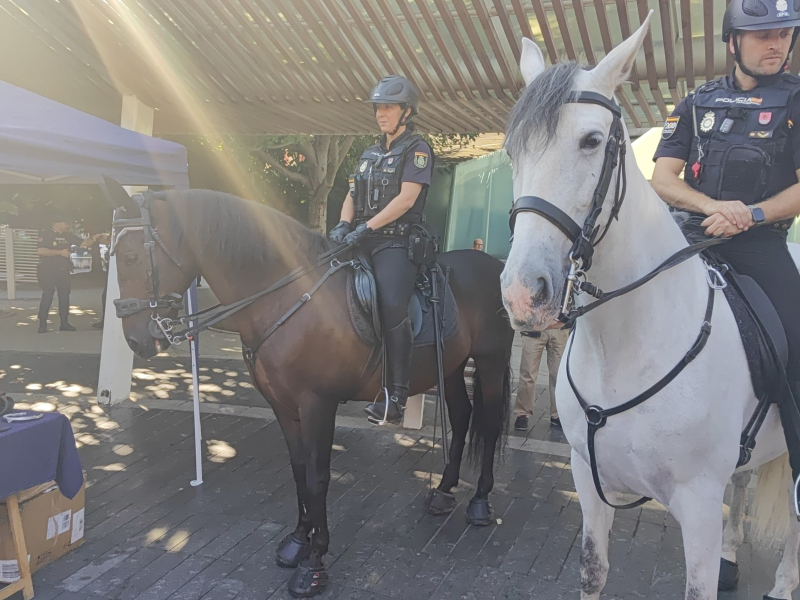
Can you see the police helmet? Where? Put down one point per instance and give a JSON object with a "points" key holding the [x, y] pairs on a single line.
{"points": [[753, 15], [395, 89]]}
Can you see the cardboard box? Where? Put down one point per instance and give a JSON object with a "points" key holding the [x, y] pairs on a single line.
{"points": [[53, 526]]}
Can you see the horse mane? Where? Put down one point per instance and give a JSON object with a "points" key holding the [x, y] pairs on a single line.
{"points": [[537, 112], [242, 231]]}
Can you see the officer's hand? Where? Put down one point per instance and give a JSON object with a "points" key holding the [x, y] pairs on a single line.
{"points": [[735, 211], [339, 232], [358, 234], [718, 225]]}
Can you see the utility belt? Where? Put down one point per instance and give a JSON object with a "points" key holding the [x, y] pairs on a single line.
{"points": [[412, 233], [399, 228]]}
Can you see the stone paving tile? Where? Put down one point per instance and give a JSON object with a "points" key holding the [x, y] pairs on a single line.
{"points": [[167, 540]]}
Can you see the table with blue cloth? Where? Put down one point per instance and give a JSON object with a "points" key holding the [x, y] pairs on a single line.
{"points": [[33, 453]]}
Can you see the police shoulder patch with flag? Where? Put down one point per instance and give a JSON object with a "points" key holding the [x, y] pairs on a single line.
{"points": [[420, 160], [669, 127]]}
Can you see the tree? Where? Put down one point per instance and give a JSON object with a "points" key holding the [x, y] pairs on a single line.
{"points": [[311, 161]]}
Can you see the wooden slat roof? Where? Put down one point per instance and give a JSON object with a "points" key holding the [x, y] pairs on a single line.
{"points": [[305, 66]]}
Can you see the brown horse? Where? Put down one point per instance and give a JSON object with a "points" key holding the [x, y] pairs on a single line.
{"points": [[314, 359]]}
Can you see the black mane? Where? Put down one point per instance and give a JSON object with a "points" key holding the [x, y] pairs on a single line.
{"points": [[242, 231], [536, 114]]}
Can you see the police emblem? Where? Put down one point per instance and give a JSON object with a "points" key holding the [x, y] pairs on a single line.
{"points": [[764, 118], [783, 7], [420, 160], [363, 166], [669, 127], [707, 124], [390, 160]]}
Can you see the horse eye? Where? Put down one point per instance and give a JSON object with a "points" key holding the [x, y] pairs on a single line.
{"points": [[131, 258], [591, 141]]}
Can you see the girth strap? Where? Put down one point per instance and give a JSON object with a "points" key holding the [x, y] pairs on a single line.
{"points": [[596, 417]]}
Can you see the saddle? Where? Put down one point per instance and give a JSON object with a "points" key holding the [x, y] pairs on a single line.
{"points": [[362, 304]]}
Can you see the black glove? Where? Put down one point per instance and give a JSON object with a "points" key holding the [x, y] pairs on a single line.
{"points": [[357, 235], [339, 232]]}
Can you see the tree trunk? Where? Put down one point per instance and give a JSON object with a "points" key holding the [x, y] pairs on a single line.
{"points": [[318, 208]]}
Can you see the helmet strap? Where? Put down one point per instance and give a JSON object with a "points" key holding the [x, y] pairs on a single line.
{"points": [[403, 119]]}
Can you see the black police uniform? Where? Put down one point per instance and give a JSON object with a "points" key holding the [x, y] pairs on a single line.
{"points": [[744, 145], [53, 273], [379, 176]]}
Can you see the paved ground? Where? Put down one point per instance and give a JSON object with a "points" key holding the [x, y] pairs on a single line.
{"points": [[151, 536]]}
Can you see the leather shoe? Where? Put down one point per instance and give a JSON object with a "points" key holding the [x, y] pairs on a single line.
{"points": [[521, 424], [377, 410]]}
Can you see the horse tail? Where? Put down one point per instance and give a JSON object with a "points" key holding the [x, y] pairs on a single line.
{"points": [[770, 515], [483, 416]]}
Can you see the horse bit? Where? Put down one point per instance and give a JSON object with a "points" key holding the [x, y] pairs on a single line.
{"points": [[159, 327], [584, 239]]}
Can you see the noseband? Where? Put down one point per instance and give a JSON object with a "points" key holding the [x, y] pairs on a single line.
{"points": [[585, 238], [131, 306]]}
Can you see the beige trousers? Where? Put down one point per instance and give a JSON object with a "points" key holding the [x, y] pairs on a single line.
{"points": [[552, 340]]}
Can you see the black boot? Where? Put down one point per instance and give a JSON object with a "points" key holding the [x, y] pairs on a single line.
{"points": [[65, 326], [399, 344]]}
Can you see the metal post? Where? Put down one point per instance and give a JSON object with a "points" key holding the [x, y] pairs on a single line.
{"points": [[11, 275], [194, 350]]}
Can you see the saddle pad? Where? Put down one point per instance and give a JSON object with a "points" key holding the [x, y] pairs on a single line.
{"points": [[740, 292], [365, 321]]}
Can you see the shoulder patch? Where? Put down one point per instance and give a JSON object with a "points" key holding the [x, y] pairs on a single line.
{"points": [[669, 127], [420, 160]]}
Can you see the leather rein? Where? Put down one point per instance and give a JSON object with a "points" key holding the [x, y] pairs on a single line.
{"points": [[162, 327], [584, 239]]}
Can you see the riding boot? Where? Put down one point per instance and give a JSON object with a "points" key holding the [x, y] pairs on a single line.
{"points": [[790, 420], [399, 344]]}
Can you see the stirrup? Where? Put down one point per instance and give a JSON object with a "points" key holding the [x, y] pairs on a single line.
{"points": [[796, 490], [386, 401]]}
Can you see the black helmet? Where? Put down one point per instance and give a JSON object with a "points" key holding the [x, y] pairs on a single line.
{"points": [[752, 15], [395, 89]]}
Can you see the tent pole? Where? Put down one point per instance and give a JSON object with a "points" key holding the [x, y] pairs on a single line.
{"points": [[194, 350], [11, 276]]}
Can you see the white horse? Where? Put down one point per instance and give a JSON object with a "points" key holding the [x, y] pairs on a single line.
{"points": [[681, 446]]}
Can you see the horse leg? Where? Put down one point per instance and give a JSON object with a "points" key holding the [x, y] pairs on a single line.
{"points": [[787, 577], [597, 520], [733, 534], [696, 505], [296, 545], [317, 424], [490, 411], [441, 500]]}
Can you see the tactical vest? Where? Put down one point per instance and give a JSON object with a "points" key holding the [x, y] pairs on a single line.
{"points": [[741, 141], [378, 178]]}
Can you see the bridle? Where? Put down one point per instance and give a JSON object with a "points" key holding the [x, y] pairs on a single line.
{"points": [[585, 238], [159, 327]]}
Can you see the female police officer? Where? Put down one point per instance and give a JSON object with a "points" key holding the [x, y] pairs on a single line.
{"points": [[386, 197], [737, 137]]}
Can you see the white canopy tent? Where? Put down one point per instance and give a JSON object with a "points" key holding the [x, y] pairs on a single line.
{"points": [[45, 142]]}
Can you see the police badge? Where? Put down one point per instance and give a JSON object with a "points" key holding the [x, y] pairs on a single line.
{"points": [[363, 166], [669, 127], [707, 124], [420, 160]]}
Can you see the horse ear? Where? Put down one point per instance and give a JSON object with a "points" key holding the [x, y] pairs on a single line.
{"points": [[617, 64], [115, 194], [531, 63]]}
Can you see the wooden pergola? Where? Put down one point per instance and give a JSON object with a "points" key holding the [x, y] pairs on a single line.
{"points": [[305, 66]]}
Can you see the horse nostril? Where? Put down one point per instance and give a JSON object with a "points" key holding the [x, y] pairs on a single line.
{"points": [[541, 289], [134, 345]]}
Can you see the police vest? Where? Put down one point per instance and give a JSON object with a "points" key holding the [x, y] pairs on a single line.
{"points": [[740, 149], [378, 178]]}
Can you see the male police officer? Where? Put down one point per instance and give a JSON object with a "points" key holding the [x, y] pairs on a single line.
{"points": [[386, 198], [737, 137], [53, 272]]}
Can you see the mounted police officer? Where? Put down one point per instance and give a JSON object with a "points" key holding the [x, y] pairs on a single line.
{"points": [[386, 199], [736, 139]]}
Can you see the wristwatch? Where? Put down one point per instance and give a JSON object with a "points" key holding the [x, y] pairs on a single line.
{"points": [[758, 215]]}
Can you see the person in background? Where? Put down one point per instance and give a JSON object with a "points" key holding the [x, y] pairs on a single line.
{"points": [[101, 246], [533, 343], [55, 266], [478, 244]]}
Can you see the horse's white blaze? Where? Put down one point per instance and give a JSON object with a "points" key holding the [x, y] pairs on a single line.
{"points": [[681, 446]]}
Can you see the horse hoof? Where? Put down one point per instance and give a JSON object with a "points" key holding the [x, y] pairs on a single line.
{"points": [[728, 575], [306, 582], [479, 512], [291, 552], [440, 503]]}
